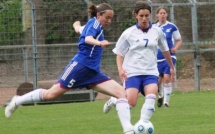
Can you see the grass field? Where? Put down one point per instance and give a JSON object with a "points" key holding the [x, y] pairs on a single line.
{"points": [[190, 112]]}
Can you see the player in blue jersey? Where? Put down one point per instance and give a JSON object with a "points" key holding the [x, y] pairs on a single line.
{"points": [[136, 51], [174, 42], [84, 69]]}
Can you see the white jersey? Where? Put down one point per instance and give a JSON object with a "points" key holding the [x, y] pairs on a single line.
{"points": [[139, 50]]}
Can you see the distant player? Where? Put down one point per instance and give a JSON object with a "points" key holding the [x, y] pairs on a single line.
{"points": [[174, 42]]}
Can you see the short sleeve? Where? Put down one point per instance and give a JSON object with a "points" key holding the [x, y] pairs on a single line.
{"points": [[122, 45], [176, 35]]}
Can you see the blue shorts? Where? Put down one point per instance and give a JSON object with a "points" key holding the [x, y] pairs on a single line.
{"points": [[164, 68], [139, 82], [76, 75]]}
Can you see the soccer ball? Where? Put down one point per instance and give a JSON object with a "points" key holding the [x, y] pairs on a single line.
{"points": [[143, 127]]}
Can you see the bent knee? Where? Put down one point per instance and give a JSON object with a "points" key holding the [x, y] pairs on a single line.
{"points": [[132, 104]]}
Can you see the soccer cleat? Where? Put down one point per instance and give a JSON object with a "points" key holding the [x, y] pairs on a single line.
{"points": [[166, 105], [108, 106], [160, 101], [11, 107]]}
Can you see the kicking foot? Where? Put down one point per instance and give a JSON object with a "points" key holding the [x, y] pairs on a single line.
{"points": [[11, 107], [108, 106]]}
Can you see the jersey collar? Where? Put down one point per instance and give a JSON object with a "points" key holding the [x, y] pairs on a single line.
{"points": [[159, 25], [145, 30]]}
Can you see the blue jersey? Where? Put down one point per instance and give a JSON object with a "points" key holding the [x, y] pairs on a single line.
{"points": [[90, 55], [172, 33]]}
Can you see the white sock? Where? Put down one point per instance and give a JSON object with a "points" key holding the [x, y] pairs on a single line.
{"points": [[113, 99], [31, 97], [148, 107], [123, 111], [160, 93], [167, 92]]}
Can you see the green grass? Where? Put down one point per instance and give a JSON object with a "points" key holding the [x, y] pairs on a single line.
{"points": [[190, 112]]}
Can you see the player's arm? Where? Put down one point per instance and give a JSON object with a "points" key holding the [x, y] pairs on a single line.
{"points": [[178, 40], [92, 41], [119, 62], [89, 39], [177, 46], [77, 27], [121, 48], [165, 50]]}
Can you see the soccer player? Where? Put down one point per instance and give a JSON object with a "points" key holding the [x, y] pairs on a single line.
{"points": [[174, 42], [84, 70], [136, 51]]}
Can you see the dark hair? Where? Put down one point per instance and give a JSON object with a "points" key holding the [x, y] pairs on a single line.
{"points": [[141, 5], [101, 8]]}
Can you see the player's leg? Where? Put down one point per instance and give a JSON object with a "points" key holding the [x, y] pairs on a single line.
{"points": [[150, 91], [160, 66], [132, 95], [37, 95], [167, 86], [109, 104], [114, 89], [148, 108], [160, 92], [112, 101]]}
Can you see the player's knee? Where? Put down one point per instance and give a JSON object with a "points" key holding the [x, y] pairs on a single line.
{"points": [[166, 80], [132, 104]]}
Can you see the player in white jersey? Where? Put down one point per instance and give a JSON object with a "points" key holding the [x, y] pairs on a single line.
{"points": [[136, 51], [174, 42], [84, 70]]}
